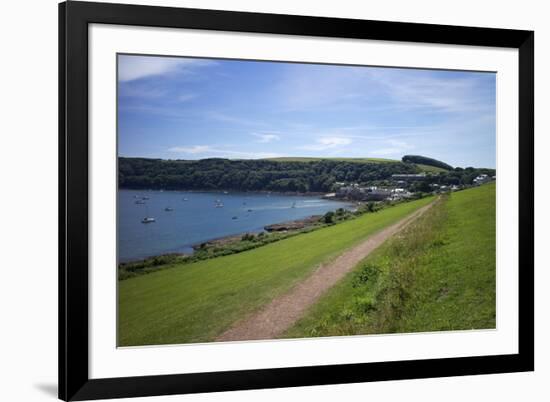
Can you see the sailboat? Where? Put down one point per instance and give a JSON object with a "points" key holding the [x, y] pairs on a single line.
{"points": [[147, 218], [293, 205]]}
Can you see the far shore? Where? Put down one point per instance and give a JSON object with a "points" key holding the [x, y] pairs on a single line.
{"points": [[288, 193]]}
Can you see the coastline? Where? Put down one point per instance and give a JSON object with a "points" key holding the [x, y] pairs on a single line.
{"points": [[243, 241], [230, 191], [286, 227], [283, 224]]}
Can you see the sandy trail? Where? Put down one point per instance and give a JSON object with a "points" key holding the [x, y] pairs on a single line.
{"points": [[282, 312]]}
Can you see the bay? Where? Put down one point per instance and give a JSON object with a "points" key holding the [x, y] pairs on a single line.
{"points": [[184, 218]]}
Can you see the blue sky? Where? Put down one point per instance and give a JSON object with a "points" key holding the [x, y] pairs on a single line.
{"points": [[184, 108]]}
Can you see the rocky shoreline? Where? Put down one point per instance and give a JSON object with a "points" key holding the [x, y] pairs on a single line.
{"points": [[293, 225], [287, 226]]}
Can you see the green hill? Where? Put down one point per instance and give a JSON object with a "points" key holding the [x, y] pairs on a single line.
{"points": [[292, 174], [420, 167], [425, 161], [280, 175], [312, 159], [441, 275], [430, 169]]}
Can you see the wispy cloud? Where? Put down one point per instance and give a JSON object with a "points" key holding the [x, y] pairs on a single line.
{"points": [[415, 89], [194, 149], [132, 68], [319, 87], [264, 138], [142, 92], [207, 151], [239, 109], [381, 90], [186, 97], [242, 121], [324, 143], [395, 148]]}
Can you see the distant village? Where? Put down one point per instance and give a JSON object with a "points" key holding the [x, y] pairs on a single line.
{"points": [[402, 187]]}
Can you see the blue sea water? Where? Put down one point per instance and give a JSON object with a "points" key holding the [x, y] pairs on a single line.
{"points": [[194, 218]]}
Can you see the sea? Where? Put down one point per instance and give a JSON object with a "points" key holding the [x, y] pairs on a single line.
{"points": [[186, 218]]}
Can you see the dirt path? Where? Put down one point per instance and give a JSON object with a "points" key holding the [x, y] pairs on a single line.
{"points": [[283, 311]]}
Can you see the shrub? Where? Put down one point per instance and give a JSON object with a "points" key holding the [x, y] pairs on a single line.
{"points": [[247, 237], [329, 217], [371, 206], [368, 273], [364, 304]]}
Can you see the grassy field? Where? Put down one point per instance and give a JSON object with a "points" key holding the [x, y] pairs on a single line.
{"points": [[439, 274], [430, 169], [196, 302], [423, 168], [312, 159]]}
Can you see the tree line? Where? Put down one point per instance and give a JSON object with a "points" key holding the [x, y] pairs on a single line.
{"points": [[268, 175], [250, 174]]}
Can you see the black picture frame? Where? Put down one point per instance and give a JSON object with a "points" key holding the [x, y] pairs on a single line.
{"points": [[74, 18]]}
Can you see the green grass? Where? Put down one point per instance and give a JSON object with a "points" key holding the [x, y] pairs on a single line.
{"points": [[313, 159], [430, 169], [196, 302], [439, 274], [422, 168]]}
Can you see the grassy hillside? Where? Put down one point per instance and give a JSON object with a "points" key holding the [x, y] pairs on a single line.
{"points": [[438, 275], [196, 302], [421, 167], [312, 159], [424, 160], [430, 169]]}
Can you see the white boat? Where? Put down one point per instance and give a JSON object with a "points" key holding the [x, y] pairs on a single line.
{"points": [[168, 209], [139, 202], [147, 218]]}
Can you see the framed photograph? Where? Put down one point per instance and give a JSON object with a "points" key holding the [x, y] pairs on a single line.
{"points": [[257, 200]]}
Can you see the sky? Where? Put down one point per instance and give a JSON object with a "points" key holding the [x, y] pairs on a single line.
{"points": [[189, 108]]}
